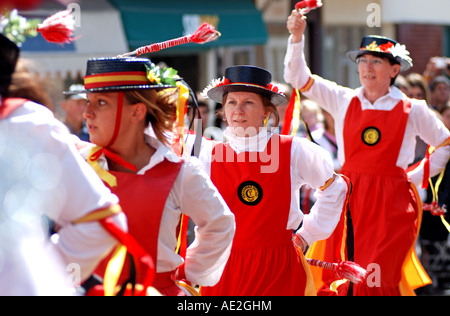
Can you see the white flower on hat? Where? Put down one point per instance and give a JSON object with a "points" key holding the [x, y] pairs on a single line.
{"points": [[400, 51], [214, 83]]}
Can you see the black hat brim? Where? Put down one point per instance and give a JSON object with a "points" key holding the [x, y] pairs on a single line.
{"points": [[118, 88], [216, 94], [355, 54]]}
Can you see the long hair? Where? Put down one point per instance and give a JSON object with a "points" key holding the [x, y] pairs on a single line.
{"points": [[161, 109]]}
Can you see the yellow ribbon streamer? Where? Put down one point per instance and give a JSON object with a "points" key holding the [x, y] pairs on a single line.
{"points": [[102, 173], [435, 191], [435, 197], [182, 223], [192, 291], [183, 96], [334, 286], [99, 214], [296, 113], [113, 270]]}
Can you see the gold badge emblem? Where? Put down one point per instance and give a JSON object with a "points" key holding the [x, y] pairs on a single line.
{"points": [[250, 193], [371, 136]]}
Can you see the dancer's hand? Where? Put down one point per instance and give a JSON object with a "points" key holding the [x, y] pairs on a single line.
{"points": [[296, 25], [300, 242]]}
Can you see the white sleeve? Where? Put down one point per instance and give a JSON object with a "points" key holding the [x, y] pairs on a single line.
{"points": [[313, 166], [433, 132], [64, 187], [296, 72], [215, 226], [329, 95]]}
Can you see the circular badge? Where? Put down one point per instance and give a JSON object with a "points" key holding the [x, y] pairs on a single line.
{"points": [[371, 136], [250, 193]]}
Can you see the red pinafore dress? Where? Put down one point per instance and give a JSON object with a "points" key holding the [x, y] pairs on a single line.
{"points": [[263, 260], [382, 205], [142, 198]]}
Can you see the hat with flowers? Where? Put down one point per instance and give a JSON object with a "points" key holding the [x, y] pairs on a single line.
{"points": [[383, 46]]}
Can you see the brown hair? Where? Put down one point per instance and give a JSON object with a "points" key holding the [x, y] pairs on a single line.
{"points": [[268, 106], [417, 80], [28, 85], [161, 109]]}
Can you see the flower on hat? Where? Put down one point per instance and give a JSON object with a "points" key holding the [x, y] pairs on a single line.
{"points": [[396, 50], [214, 84], [400, 51], [273, 87], [153, 77], [164, 76], [16, 27]]}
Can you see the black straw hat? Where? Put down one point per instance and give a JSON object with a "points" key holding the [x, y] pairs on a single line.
{"points": [[118, 74], [9, 53], [383, 46], [245, 78]]}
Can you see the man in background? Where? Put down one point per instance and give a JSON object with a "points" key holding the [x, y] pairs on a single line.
{"points": [[73, 106]]}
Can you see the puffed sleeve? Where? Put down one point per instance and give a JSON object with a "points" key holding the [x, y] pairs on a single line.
{"points": [[312, 165], [65, 188], [215, 226], [429, 128]]}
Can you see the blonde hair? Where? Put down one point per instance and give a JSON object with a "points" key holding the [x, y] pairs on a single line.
{"points": [[161, 109]]}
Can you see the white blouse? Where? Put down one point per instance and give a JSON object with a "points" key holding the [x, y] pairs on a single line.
{"points": [[194, 195], [336, 99], [311, 165]]}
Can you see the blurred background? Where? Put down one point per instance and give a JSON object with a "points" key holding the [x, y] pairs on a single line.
{"points": [[253, 32]]}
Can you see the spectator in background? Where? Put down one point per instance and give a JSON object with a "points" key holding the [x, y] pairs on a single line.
{"points": [[74, 106], [402, 84], [437, 66], [203, 108], [326, 138], [445, 113], [312, 115], [440, 90], [418, 87]]}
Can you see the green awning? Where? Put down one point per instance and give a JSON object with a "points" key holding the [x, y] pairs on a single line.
{"points": [[148, 22]]}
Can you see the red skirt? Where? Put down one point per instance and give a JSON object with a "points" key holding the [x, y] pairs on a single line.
{"points": [[384, 224], [271, 271]]}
